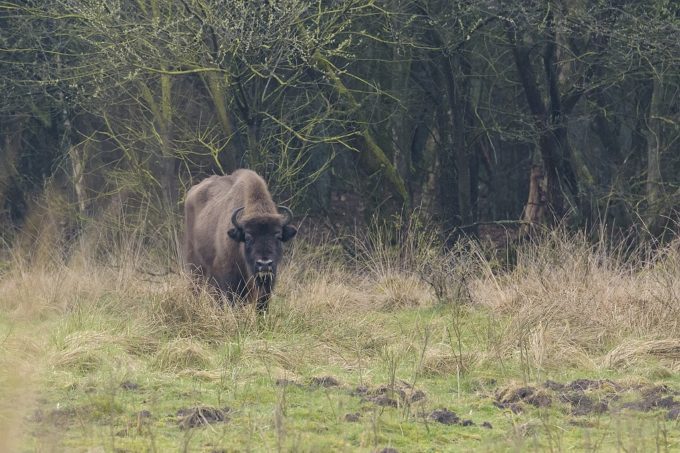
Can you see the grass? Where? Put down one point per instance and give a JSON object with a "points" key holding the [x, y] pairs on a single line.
{"points": [[355, 354]]}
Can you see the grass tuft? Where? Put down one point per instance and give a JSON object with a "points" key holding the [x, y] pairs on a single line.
{"points": [[183, 354]]}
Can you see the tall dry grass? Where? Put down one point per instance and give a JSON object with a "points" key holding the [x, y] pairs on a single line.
{"points": [[572, 302], [566, 297], [567, 300]]}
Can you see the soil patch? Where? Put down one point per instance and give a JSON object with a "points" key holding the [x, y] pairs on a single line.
{"points": [[589, 384], [587, 396], [384, 401], [418, 395], [513, 407], [531, 395], [554, 386], [60, 418], [581, 404], [129, 385], [673, 414], [199, 416], [353, 417], [445, 417], [143, 415], [512, 398], [390, 395], [656, 398]]}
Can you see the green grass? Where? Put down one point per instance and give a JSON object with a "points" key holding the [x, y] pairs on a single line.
{"points": [[97, 359]]}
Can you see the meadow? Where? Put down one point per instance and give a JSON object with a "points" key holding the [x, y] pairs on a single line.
{"points": [[561, 344]]}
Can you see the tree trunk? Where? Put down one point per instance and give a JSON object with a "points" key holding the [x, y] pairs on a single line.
{"points": [[460, 149], [227, 161], [373, 156], [558, 170], [534, 211], [653, 183], [169, 183], [9, 154]]}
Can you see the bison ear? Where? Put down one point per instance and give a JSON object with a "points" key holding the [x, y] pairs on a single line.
{"points": [[237, 234], [288, 232]]}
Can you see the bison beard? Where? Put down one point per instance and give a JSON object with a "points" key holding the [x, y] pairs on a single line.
{"points": [[234, 234]]}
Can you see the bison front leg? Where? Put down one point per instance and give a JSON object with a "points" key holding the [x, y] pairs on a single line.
{"points": [[234, 291], [262, 303]]}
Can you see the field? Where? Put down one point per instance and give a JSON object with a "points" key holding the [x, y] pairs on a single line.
{"points": [[572, 347]]}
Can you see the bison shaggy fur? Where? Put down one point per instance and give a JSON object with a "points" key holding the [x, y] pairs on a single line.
{"points": [[234, 234]]}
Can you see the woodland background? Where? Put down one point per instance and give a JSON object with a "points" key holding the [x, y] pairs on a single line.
{"points": [[469, 111]]}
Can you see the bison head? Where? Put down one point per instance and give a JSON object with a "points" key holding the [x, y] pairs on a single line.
{"points": [[262, 237]]}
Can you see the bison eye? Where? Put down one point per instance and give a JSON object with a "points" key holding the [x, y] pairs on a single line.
{"points": [[249, 239]]}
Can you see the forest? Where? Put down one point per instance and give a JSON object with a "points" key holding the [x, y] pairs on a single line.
{"points": [[486, 194], [538, 112]]}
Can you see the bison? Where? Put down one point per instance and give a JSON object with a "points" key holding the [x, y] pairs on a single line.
{"points": [[234, 234]]}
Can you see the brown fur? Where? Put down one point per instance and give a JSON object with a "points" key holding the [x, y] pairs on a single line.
{"points": [[210, 252]]}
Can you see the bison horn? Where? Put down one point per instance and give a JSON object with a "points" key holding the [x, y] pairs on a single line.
{"points": [[234, 216], [287, 213]]}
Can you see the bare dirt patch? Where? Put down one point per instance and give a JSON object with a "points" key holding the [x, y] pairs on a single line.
{"points": [[447, 417], [353, 417], [581, 404], [200, 416], [60, 418], [589, 384], [586, 397], [402, 394], [509, 397], [129, 385], [656, 398], [388, 395], [673, 414]]}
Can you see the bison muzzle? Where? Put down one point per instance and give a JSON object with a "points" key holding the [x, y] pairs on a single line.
{"points": [[234, 234]]}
